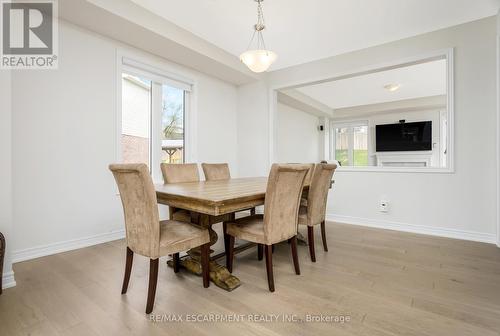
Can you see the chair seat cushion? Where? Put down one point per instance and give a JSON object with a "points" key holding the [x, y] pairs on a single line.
{"points": [[250, 228], [178, 236]]}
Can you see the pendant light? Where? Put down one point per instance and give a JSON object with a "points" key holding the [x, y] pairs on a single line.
{"points": [[258, 59]]}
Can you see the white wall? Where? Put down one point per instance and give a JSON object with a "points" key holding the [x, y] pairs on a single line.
{"points": [[64, 137], [253, 130], [462, 204], [6, 174], [297, 135]]}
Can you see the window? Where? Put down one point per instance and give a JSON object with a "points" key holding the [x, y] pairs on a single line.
{"points": [[153, 116], [350, 143], [172, 124]]}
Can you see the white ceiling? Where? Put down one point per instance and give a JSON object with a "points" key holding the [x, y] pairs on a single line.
{"points": [[421, 80], [301, 31]]}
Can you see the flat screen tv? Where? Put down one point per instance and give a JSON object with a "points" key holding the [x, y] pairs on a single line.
{"points": [[412, 136]]}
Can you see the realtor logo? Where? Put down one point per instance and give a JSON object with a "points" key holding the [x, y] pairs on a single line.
{"points": [[29, 34]]}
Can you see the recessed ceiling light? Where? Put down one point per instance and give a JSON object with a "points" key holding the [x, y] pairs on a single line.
{"points": [[392, 87]]}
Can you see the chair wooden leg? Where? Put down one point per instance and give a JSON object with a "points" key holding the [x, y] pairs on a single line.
{"points": [[295, 255], [269, 267], [272, 248], [323, 236], [310, 241], [205, 267], [260, 251], [153, 278], [230, 254], [175, 262], [128, 269], [2, 256], [252, 211]]}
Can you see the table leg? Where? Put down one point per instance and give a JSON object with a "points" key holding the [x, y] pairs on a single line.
{"points": [[218, 273]]}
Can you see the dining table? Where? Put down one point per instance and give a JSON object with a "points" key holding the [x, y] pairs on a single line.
{"points": [[209, 202], [206, 201]]}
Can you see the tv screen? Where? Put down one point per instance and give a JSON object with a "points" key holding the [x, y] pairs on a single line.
{"points": [[413, 136]]}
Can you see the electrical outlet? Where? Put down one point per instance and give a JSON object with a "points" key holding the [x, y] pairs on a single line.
{"points": [[383, 206]]}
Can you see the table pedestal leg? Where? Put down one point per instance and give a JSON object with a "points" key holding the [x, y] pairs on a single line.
{"points": [[218, 273]]}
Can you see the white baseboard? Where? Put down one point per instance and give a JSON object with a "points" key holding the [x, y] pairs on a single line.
{"points": [[8, 280], [427, 230], [45, 250]]}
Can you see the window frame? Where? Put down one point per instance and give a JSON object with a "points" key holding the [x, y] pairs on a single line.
{"points": [[350, 151], [160, 73]]}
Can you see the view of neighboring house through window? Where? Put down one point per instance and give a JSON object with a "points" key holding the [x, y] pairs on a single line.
{"points": [[136, 119], [152, 118], [350, 141]]}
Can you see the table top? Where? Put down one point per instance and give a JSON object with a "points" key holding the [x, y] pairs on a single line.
{"points": [[215, 191], [214, 197]]}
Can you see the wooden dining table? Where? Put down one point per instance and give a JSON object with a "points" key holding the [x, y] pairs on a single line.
{"points": [[208, 201]]}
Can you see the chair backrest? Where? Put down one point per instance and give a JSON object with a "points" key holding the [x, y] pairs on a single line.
{"points": [[216, 171], [142, 223], [308, 178], [179, 173], [281, 207], [318, 192]]}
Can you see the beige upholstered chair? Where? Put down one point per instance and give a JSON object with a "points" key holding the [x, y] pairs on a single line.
{"points": [[279, 222], [314, 212], [307, 181], [183, 173], [217, 172], [180, 173], [146, 235]]}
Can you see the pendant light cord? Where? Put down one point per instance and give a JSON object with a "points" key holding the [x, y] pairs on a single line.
{"points": [[258, 28]]}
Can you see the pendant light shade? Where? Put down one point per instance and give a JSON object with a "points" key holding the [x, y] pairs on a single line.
{"points": [[258, 59]]}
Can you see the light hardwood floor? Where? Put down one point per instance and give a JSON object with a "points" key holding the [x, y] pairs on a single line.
{"points": [[388, 282]]}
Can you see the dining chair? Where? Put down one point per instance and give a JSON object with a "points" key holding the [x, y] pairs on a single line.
{"points": [[279, 222], [146, 235], [307, 180], [180, 173], [313, 212], [183, 173], [218, 172]]}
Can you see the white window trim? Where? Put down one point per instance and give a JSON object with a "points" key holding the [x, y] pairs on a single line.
{"points": [[165, 74], [346, 124]]}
